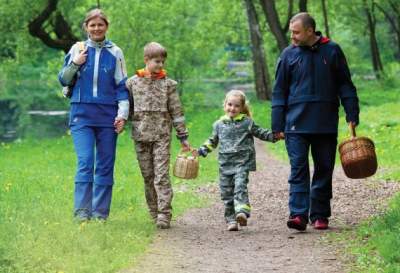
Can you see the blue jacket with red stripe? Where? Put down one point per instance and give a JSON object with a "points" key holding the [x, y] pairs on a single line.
{"points": [[310, 84]]}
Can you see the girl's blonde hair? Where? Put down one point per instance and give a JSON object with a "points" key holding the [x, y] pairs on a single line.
{"points": [[242, 98]]}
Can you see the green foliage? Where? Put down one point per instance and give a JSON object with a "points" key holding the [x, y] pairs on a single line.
{"points": [[191, 32]]}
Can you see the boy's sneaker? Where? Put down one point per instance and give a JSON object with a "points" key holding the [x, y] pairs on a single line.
{"points": [[153, 216], [241, 218], [163, 222], [233, 226], [297, 222], [321, 223]]}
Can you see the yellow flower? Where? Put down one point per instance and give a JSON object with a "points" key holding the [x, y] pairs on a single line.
{"points": [[7, 187]]}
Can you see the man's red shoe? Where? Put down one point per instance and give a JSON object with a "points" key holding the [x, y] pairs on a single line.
{"points": [[297, 222], [321, 223]]}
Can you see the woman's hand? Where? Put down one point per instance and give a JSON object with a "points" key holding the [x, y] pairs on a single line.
{"points": [[80, 59], [119, 124]]}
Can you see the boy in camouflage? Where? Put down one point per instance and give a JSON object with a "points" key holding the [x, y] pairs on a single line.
{"points": [[234, 132], [155, 107]]}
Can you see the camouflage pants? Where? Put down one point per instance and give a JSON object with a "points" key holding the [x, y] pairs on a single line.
{"points": [[153, 160], [234, 194]]}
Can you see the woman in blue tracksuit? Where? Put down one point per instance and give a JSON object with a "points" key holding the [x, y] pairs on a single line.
{"points": [[99, 109]]}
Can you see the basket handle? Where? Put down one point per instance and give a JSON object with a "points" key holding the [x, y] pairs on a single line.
{"points": [[192, 151], [352, 130]]}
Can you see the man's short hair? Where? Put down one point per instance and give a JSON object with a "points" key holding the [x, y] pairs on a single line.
{"points": [[153, 50], [306, 19]]}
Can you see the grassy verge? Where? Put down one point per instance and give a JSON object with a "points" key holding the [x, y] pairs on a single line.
{"points": [[374, 245], [37, 231]]}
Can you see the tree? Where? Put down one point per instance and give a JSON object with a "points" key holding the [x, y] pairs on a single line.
{"points": [[371, 23], [274, 24], [303, 5], [59, 26], [325, 15], [392, 15], [261, 75]]}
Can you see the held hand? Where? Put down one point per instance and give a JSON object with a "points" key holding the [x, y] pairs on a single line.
{"points": [[279, 135], [352, 127], [185, 146], [195, 153], [81, 57], [352, 124], [119, 124]]}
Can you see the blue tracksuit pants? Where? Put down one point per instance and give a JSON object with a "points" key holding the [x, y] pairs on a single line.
{"points": [[311, 200], [95, 148]]}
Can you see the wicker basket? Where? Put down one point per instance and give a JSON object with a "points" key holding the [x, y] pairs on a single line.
{"points": [[186, 167], [358, 156]]}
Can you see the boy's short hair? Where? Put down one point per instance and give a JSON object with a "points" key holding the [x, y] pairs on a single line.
{"points": [[153, 50]]}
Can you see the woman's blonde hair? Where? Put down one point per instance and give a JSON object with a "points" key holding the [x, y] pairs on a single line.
{"points": [[94, 13], [242, 98]]}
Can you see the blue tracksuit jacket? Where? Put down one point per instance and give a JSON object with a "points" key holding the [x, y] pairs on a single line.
{"points": [[100, 84]]}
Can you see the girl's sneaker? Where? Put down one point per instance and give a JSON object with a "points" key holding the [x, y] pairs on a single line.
{"points": [[241, 218], [233, 226]]}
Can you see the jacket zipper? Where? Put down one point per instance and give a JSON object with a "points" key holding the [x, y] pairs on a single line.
{"points": [[312, 73]]}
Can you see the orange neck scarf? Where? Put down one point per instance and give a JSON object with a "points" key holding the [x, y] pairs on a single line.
{"points": [[144, 73]]}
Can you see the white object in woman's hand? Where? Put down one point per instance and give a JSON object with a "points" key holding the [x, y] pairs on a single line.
{"points": [[81, 57]]}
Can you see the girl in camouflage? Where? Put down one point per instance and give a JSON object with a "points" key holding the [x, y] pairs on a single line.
{"points": [[235, 132]]}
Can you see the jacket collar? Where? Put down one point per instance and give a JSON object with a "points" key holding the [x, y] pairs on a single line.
{"points": [[321, 40], [104, 43], [237, 118], [144, 73]]}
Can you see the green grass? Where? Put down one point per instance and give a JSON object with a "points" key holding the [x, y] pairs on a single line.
{"points": [[374, 245], [37, 231]]}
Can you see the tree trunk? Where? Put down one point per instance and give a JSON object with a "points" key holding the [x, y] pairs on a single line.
{"points": [[303, 5], [289, 15], [261, 75], [376, 58], [394, 21], [65, 38], [274, 24], [325, 14]]}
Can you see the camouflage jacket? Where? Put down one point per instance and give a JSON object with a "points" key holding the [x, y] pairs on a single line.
{"points": [[236, 143], [154, 107]]}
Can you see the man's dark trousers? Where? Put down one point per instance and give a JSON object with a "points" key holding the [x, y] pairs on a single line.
{"points": [[314, 201]]}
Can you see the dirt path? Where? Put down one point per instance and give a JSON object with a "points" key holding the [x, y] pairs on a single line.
{"points": [[198, 241]]}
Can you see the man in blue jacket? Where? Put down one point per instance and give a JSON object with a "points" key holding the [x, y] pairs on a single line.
{"points": [[312, 79]]}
